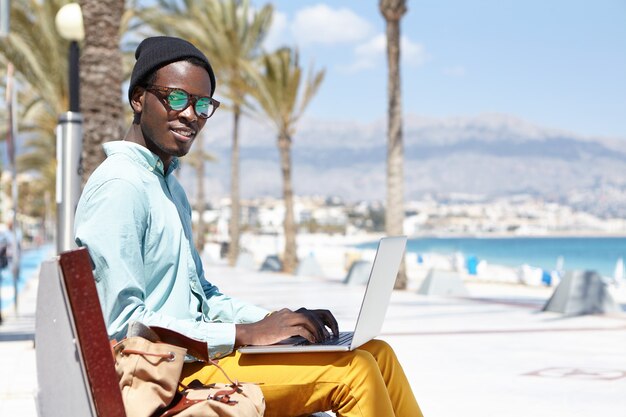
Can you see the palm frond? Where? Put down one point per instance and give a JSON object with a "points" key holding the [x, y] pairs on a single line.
{"points": [[280, 92], [39, 56]]}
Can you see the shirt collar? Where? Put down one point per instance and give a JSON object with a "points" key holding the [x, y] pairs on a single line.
{"points": [[140, 154]]}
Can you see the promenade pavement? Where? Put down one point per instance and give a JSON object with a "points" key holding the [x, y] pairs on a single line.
{"points": [[491, 354]]}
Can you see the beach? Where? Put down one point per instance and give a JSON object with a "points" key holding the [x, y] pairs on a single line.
{"points": [[490, 353], [334, 254]]}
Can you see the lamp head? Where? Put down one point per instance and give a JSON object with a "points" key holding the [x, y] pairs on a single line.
{"points": [[69, 22]]}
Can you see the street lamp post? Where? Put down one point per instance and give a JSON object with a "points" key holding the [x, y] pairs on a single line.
{"points": [[69, 23]]}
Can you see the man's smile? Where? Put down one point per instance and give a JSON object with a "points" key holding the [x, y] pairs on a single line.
{"points": [[183, 133]]}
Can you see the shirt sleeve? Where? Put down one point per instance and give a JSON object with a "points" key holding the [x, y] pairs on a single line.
{"points": [[230, 309], [111, 221]]}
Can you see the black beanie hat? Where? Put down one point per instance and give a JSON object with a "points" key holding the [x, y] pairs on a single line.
{"points": [[156, 52]]}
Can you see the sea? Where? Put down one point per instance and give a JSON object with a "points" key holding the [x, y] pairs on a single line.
{"points": [[599, 254], [29, 267]]}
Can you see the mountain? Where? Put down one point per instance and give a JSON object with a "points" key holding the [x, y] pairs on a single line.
{"points": [[488, 155]]}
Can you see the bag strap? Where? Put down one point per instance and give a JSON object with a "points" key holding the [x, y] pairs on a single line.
{"points": [[197, 348], [182, 402], [222, 395], [169, 356]]}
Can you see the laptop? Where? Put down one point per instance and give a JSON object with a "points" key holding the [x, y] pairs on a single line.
{"points": [[373, 307]]}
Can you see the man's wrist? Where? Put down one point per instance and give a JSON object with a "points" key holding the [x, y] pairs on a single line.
{"points": [[241, 335]]}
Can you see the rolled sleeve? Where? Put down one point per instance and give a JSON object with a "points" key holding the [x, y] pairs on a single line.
{"points": [[221, 340]]}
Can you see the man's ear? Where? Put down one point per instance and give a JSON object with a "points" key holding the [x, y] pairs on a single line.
{"points": [[137, 98]]}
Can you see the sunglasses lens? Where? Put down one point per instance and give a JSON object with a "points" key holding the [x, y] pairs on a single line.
{"points": [[178, 100], [203, 107]]}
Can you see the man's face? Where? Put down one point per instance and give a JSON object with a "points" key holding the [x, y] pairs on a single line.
{"points": [[168, 133]]}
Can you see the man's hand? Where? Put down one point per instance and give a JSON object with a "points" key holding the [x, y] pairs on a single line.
{"points": [[310, 324]]}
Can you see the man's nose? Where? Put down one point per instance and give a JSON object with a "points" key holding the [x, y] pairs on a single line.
{"points": [[189, 114]]}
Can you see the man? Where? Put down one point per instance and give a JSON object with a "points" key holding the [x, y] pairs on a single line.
{"points": [[135, 219]]}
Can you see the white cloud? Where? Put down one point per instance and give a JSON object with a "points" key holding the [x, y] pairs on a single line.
{"points": [[372, 53], [276, 36], [322, 24], [369, 54]]}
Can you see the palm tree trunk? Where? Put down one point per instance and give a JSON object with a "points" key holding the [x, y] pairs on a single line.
{"points": [[394, 215], [200, 201], [235, 206], [101, 79], [290, 259]]}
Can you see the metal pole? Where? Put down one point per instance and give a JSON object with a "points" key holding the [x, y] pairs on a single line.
{"points": [[5, 13], [16, 243], [16, 229], [74, 78], [69, 149], [10, 142]]}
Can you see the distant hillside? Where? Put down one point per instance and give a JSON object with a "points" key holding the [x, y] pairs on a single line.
{"points": [[489, 155]]}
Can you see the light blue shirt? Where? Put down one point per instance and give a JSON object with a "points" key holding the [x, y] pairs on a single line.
{"points": [[135, 220]]}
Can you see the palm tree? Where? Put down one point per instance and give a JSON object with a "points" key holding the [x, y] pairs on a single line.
{"points": [[196, 159], [39, 56], [392, 11], [38, 52], [277, 92], [230, 34], [101, 79]]}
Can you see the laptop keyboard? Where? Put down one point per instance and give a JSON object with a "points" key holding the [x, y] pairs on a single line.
{"points": [[344, 338]]}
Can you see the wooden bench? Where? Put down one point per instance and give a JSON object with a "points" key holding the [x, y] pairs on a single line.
{"points": [[75, 370]]}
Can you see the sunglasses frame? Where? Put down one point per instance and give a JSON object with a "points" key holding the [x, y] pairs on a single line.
{"points": [[163, 93]]}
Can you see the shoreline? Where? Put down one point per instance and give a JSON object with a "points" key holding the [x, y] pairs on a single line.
{"points": [[333, 254], [571, 235]]}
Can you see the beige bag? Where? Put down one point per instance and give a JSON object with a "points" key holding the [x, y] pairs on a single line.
{"points": [[218, 400], [149, 373]]}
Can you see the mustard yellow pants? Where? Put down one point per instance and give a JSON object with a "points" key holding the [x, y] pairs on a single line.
{"points": [[368, 382]]}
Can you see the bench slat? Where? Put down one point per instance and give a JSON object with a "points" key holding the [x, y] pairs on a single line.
{"points": [[91, 332]]}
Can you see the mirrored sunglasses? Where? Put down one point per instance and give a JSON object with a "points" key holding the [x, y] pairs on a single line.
{"points": [[178, 100]]}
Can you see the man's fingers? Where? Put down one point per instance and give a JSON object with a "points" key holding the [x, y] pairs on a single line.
{"points": [[313, 323], [327, 319], [310, 324], [330, 321], [304, 332], [297, 324]]}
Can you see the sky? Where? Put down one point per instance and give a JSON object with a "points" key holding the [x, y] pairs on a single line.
{"points": [[555, 63]]}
